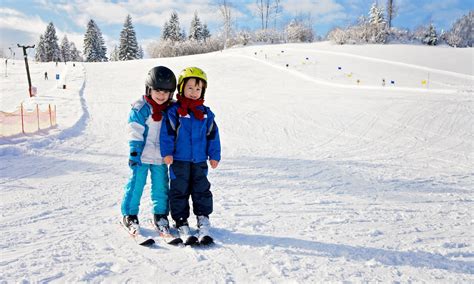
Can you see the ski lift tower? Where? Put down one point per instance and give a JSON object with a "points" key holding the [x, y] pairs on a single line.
{"points": [[26, 65]]}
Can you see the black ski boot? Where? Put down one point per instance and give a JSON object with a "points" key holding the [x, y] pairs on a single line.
{"points": [[131, 223], [161, 223]]}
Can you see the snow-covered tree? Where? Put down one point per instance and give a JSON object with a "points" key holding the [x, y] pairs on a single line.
{"points": [[461, 33], [94, 45], [338, 36], [244, 37], [205, 32], [40, 55], [65, 49], [431, 36], [75, 54], [114, 55], [128, 49], [172, 29], [297, 32], [376, 15], [269, 36], [51, 47], [141, 54], [196, 29]]}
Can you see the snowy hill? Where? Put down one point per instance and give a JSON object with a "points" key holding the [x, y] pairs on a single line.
{"points": [[327, 175]]}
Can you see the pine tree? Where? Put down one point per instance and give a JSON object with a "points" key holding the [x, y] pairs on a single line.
{"points": [[128, 49], [40, 55], [205, 33], [51, 47], [196, 29], [75, 54], [376, 28], [65, 49], [431, 37], [376, 15], [172, 30], [94, 45], [140, 52]]}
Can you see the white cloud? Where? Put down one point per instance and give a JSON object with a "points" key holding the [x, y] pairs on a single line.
{"points": [[15, 20]]}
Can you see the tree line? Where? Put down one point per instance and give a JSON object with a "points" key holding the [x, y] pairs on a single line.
{"points": [[377, 28], [174, 41]]}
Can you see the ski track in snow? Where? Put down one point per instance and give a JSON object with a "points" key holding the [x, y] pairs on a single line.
{"points": [[321, 181]]}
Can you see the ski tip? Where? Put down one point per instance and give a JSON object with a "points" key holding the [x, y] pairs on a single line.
{"points": [[175, 242], [147, 242], [206, 241], [191, 241]]}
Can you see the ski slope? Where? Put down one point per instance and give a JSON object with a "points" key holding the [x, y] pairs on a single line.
{"points": [[322, 179]]}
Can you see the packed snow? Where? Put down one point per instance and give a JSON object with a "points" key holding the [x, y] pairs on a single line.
{"points": [[327, 173]]}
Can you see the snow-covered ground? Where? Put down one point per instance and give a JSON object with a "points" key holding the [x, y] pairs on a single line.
{"points": [[323, 179]]}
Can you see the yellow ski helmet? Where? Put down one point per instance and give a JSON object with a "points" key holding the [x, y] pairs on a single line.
{"points": [[191, 72]]}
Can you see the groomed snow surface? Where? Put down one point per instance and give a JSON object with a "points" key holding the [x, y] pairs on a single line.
{"points": [[322, 179]]}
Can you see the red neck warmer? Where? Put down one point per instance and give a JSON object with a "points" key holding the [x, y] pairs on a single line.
{"points": [[157, 109], [186, 104]]}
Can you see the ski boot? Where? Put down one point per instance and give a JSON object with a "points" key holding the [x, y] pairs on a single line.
{"points": [[185, 233], [130, 222], [204, 225]]}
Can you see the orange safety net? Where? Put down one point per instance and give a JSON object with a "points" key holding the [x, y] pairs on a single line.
{"points": [[27, 121]]}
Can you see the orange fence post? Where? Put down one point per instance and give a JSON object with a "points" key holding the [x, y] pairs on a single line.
{"points": [[38, 116], [50, 120], [22, 122]]}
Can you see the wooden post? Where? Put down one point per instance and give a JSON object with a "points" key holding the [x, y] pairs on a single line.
{"points": [[22, 122], [38, 116]]}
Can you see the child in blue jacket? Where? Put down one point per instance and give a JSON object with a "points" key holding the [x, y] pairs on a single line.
{"points": [[188, 139], [144, 122]]}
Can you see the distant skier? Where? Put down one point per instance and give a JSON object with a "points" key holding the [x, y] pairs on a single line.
{"points": [[144, 122], [46, 75], [188, 139]]}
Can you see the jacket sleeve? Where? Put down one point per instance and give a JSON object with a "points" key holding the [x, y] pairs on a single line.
{"points": [[213, 140], [168, 132], [136, 131]]}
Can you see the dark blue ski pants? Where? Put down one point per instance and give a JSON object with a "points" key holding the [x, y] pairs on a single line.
{"points": [[189, 179]]}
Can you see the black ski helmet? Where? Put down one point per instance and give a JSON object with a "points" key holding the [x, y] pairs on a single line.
{"points": [[160, 78]]}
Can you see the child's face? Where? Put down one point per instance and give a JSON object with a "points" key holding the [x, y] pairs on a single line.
{"points": [[160, 97], [191, 90]]}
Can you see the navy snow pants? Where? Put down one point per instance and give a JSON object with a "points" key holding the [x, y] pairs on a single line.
{"points": [[189, 179]]}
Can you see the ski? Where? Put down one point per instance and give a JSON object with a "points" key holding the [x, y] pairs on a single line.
{"points": [[206, 241], [191, 241], [140, 239], [167, 236]]}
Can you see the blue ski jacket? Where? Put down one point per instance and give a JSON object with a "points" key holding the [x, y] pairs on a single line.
{"points": [[144, 133], [188, 139]]}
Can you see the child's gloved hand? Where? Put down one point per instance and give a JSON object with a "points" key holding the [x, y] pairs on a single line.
{"points": [[134, 160]]}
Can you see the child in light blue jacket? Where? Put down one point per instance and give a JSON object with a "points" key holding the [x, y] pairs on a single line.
{"points": [[145, 122]]}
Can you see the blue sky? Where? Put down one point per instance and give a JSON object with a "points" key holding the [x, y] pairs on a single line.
{"points": [[23, 21]]}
